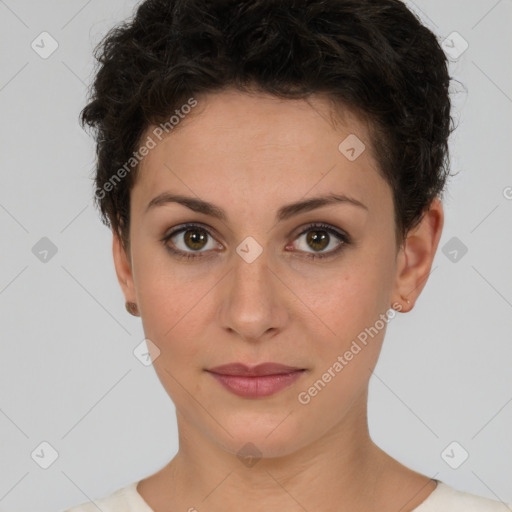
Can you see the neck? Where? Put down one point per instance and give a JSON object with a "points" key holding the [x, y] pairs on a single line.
{"points": [[342, 470]]}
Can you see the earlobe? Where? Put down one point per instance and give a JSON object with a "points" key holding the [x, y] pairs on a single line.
{"points": [[123, 269], [417, 254]]}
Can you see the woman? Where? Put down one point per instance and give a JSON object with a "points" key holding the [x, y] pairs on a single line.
{"points": [[272, 175]]}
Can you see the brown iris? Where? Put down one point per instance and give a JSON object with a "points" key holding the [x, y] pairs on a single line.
{"points": [[195, 238], [318, 238]]}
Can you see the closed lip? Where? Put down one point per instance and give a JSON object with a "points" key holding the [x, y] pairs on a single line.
{"points": [[239, 369]]}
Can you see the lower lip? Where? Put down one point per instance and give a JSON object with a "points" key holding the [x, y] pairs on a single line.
{"points": [[255, 387]]}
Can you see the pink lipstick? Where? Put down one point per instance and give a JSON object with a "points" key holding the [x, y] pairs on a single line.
{"points": [[257, 381]]}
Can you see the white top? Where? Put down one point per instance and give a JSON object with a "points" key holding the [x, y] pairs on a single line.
{"points": [[442, 499]]}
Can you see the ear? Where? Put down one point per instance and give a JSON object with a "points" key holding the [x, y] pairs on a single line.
{"points": [[123, 268], [416, 255]]}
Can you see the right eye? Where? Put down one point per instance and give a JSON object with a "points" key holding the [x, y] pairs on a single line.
{"points": [[187, 241]]}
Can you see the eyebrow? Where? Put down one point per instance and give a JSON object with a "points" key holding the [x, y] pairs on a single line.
{"points": [[284, 213]]}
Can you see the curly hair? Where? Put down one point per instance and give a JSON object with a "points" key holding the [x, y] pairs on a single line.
{"points": [[372, 56]]}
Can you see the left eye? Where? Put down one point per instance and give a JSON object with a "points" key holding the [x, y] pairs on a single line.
{"points": [[319, 237]]}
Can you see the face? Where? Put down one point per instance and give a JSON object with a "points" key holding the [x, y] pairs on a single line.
{"points": [[266, 282]]}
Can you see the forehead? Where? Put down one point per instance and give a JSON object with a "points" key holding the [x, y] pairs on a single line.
{"points": [[253, 144], [267, 119]]}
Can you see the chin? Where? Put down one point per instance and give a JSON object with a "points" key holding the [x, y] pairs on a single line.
{"points": [[262, 437]]}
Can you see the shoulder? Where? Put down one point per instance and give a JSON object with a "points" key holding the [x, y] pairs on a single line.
{"points": [[125, 499], [448, 499]]}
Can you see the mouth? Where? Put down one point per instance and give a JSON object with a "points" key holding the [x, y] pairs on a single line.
{"points": [[257, 381]]}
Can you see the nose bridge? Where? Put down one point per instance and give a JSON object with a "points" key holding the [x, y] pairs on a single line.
{"points": [[251, 275], [251, 306]]}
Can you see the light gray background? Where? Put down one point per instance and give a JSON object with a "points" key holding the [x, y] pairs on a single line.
{"points": [[67, 372]]}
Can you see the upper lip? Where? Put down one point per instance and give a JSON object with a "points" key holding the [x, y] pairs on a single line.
{"points": [[240, 369]]}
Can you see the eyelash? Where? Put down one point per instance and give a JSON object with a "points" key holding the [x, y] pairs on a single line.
{"points": [[344, 239]]}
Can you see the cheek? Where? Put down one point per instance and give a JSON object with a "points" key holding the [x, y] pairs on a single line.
{"points": [[165, 288], [351, 303], [176, 309], [354, 293], [173, 317], [347, 354]]}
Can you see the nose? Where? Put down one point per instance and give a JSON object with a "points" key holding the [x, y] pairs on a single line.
{"points": [[253, 300]]}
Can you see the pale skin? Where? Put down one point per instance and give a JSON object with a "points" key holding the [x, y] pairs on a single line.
{"points": [[250, 155]]}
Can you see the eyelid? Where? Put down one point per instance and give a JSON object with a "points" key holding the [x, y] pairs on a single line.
{"points": [[326, 227], [212, 232]]}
